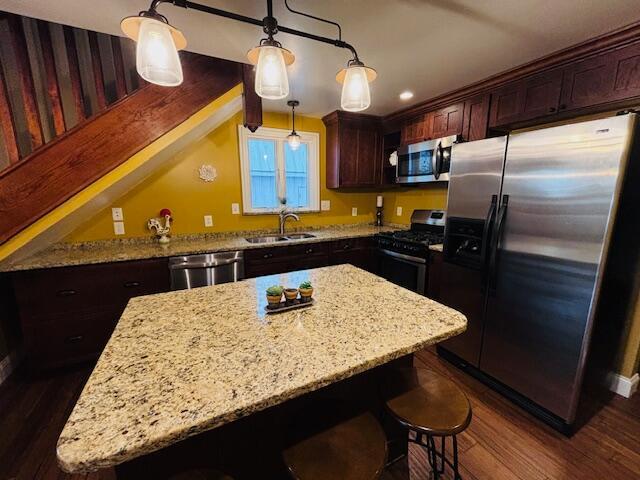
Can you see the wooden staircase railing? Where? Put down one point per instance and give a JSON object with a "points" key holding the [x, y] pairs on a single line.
{"points": [[83, 133], [45, 86]]}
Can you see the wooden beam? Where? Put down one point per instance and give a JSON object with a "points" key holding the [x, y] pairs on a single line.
{"points": [[6, 123], [118, 64], [252, 103], [25, 78], [96, 64], [71, 162], [74, 72], [53, 88]]}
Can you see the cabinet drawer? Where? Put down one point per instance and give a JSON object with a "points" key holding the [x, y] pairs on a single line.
{"points": [[42, 293], [70, 338], [351, 244]]}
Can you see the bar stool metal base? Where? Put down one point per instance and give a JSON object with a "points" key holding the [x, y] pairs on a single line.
{"points": [[438, 460]]}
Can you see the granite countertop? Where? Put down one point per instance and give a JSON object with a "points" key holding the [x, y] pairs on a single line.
{"points": [[185, 362], [106, 251], [437, 247]]}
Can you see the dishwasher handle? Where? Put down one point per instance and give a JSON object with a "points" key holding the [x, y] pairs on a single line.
{"points": [[189, 265]]}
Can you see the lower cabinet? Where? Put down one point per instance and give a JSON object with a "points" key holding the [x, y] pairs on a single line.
{"points": [[435, 274], [67, 314], [268, 261]]}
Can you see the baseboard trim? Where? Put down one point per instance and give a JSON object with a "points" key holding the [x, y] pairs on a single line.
{"points": [[10, 363], [625, 386]]}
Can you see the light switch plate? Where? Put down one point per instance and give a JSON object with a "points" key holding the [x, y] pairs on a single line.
{"points": [[118, 228], [398, 211], [235, 208], [354, 212], [116, 214], [208, 221], [325, 205]]}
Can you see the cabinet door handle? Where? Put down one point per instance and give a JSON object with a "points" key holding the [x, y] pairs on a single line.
{"points": [[131, 284], [346, 247], [74, 339], [309, 250], [267, 255], [66, 293]]}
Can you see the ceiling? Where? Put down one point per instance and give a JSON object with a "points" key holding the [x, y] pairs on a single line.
{"points": [[427, 46]]}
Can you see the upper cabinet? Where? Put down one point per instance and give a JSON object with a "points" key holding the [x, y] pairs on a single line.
{"points": [[447, 121], [526, 99], [593, 84], [416, 129], [354, 150], [475, 118]]}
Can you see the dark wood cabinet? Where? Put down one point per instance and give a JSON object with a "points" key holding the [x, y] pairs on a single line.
{"points": [[417, 129], [604, 78], [360, 252], [447, 121], [67, 314], [354, 150], [272, 260], [526, 99], [476, 118]]}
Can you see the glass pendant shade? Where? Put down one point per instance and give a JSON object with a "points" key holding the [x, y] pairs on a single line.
{"points": [[355, 90], [272, 81], [157, 58], [293, 139]]}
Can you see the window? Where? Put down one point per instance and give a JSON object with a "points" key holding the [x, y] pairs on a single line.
{"points": [[272, 172]]}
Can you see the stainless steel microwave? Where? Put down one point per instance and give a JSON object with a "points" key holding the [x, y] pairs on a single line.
{"points": [[428, 161]]}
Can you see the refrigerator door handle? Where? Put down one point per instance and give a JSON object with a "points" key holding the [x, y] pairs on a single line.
{"points": [[486, 232], [495, 244]]}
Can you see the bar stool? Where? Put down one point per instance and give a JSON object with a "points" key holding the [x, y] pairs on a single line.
{"points": [[430, 406], [352, 448]]}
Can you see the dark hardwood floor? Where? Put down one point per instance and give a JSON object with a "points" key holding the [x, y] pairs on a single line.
{"points": [[503, 442]]}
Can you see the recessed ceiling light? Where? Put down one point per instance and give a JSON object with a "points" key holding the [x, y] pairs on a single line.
{"points": [[406, 95]]}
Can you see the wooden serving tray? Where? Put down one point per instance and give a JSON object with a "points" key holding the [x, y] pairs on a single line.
{"points": [[297, 303]]}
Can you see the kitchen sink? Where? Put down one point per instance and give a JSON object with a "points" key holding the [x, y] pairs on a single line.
{"points": [[267, 239], [298, 236]]}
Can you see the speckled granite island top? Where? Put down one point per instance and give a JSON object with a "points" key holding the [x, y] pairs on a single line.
{"points": [[185, 362]]}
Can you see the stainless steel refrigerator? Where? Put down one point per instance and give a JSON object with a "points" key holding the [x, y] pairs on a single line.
{"points": [[531, 220]]}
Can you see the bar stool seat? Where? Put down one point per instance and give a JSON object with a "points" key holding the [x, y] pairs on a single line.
{"points": [[431, 406], [352, 449]]}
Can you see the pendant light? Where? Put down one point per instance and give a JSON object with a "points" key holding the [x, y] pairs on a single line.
{"points": [[271, 60], [157, 47], [355, 80], [293, 139]]}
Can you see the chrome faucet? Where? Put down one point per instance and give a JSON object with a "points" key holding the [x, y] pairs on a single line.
{"points": [[283, 218]]}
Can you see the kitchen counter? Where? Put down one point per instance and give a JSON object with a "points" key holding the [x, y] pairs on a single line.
{"points": [[184, 362], [438, 247], [106, 251]]}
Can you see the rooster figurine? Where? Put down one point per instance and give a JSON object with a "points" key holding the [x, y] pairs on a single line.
{"points": [[162, 231]]}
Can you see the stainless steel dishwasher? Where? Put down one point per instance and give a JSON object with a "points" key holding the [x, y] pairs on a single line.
{"points": [[192, 271]]}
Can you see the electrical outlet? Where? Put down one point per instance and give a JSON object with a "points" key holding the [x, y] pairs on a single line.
{"points": [[116, 214], [235, 208], [325, 205], [118, 228], [208, 221], [354, 212], [398, 211]]}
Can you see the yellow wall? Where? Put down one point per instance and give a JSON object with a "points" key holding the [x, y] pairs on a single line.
{"points": [[430, 196], [177, 187]]}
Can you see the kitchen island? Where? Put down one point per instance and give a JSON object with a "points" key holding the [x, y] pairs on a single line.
{"points": [[182, 363]]}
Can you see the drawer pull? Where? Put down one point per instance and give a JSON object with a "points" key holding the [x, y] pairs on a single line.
{"points": [[309, 250], [74, 339], [346, 247], [267, 255], [131, 284], [66, 293]]}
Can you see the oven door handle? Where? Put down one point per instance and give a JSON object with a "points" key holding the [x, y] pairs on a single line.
{"points": [[402, 256], [195, 265]]}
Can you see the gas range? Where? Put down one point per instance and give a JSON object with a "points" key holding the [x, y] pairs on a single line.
{"points": [[427, 228]]}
